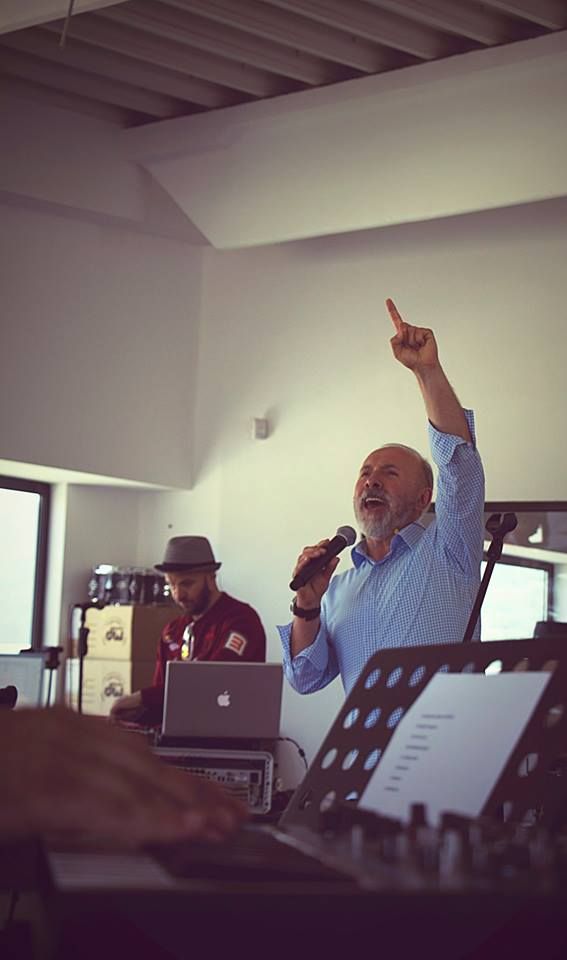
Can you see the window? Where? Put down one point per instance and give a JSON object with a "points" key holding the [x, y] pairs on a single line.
{"points": [[24, 512], [516, 600], [528, 586]]}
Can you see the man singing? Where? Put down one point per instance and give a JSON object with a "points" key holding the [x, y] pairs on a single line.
{"points": [[411, 584]]}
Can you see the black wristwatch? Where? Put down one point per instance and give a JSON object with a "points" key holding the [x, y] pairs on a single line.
{"points": [[302, 613]]}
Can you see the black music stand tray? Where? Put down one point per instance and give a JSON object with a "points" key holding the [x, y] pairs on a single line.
{"points": [[392, 680]]}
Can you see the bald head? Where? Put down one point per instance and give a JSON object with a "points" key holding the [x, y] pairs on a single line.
{"points": [[424, 464]]}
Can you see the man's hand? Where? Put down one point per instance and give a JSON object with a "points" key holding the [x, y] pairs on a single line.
{"points": [[303, 632], [310, 595], [127, 708], [81, 777], [415, 347]]}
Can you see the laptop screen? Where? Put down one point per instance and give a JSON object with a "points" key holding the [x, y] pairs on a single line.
{"points": [[25, 673], [224, 700]]}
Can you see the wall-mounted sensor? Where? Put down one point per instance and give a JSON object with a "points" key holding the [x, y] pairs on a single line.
{"points": [[260, 428]]}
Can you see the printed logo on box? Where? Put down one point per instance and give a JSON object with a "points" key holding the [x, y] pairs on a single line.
{"points": [[112, 687], [114, 633]]}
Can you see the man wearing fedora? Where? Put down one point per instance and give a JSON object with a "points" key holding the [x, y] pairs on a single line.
{"points": [[213, 626]]}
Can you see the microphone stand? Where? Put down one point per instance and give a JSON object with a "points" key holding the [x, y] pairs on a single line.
{"points": [[83, 649], [51, 664], [498, 529]]}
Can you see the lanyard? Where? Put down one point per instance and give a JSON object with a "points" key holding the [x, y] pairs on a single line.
{"points": [[188, 644]]}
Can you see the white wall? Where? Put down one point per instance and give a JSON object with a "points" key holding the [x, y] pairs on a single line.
{"points": [[88, 525], [102, 527], [77, 166], [560, 592], [60, 157], [298, 332], [98, 356], [468, 133], [102, 327]]}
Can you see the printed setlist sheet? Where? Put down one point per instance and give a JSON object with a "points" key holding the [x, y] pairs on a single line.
{"points": [[452, 745]]}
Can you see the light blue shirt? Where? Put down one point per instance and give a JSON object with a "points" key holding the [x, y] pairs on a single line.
{"points": [[422, 592]]}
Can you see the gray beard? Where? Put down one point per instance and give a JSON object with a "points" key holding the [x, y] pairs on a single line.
{"points": [[380, 528]]}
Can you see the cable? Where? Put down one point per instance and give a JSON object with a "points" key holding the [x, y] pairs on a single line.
{"points": [[14, 897], [48, 703], [63, 38], [300, 751]]}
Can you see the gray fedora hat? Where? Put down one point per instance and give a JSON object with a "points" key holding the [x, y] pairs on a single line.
{"points": [[187, 553]]}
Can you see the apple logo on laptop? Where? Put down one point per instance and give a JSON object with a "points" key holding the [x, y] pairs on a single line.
{"points": [[223, 699]]}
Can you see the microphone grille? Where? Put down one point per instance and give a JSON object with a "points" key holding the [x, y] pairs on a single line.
{"points": [[348, 534]]}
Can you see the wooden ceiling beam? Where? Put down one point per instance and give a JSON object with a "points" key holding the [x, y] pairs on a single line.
{"points": [[37, 93], [97, 31], [260, 19], [27, 67], [19, 14], [547, 13], [360, 20], [42, 42], [473, 23], [184, 27]]}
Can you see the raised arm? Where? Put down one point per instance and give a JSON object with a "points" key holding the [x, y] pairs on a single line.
{"points": [[416, 349]]}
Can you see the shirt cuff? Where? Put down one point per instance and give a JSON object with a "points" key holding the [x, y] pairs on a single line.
{"points": [[443, 445], [316, 653]]}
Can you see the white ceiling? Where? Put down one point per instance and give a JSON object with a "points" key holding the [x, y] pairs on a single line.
{"points": [[144, 61], [45, 474]]}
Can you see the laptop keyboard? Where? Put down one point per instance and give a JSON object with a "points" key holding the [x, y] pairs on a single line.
{"points": [[252, 853]]}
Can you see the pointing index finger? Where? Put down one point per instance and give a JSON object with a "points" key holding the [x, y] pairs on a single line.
{"points": [[393, 311]]}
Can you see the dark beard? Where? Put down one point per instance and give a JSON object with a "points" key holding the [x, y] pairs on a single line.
{"points": [[201, 604]]}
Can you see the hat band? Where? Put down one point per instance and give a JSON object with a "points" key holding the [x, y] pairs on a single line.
{"points": [[180, 567]]}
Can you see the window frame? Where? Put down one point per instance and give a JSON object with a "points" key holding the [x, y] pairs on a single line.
{"points": [[40, 580], [525, 562], [548, 568], [523, 506], [529, 506]]}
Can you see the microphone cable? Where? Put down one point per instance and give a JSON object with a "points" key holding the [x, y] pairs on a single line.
{"points": [[14, 896], [299, 749]]}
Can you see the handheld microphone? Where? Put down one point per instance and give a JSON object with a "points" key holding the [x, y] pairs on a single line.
{"points": [[344, 537]]}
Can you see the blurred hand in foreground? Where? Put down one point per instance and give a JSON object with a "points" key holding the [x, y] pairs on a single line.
{"points": [[80, 776]]}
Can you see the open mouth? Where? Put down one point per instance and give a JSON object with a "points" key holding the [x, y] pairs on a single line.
{"points": [[373, 503]]}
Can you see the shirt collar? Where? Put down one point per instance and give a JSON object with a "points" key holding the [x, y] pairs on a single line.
{"points": [[409, 536]]}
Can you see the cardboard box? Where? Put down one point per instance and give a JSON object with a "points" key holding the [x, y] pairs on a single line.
{"points": [[104, 681], [125, 632]]}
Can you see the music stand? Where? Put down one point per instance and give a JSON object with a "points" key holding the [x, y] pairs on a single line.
{"points": [[386, 688], [497, 528]]}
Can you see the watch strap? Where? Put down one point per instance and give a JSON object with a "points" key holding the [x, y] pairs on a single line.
{"points": [[303, 613]]}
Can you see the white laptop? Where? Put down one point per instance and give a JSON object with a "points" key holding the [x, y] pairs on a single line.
{"points": [[24, 673], [224, 700]]}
